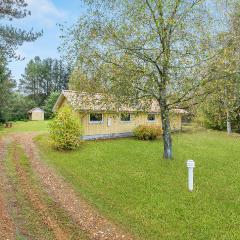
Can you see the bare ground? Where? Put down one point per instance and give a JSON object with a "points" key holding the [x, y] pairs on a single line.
{"points": [[86, 217]]}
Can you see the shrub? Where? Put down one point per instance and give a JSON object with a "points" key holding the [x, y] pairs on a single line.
{"points": [[65, 130], [144, 132], [49, 103]]}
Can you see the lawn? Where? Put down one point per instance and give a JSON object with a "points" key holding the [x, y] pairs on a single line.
{"points": [[129, 182], [26, 126]]}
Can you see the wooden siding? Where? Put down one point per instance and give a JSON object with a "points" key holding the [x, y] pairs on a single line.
{"points": [[37, 116], [117, 126], [63, 103]]}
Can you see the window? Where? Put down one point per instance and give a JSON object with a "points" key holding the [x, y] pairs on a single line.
{"points": [[151, 117], [125, 117], [96, 118]]}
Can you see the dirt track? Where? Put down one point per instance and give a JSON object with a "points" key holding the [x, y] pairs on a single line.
{"points": [[37, 204], [6, 224], [82, 214]]}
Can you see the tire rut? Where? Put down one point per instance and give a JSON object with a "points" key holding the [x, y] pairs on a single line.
{"points": [[7, 229], [37, 203], [90, 220]]}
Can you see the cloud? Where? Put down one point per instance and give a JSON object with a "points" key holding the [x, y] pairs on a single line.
{"points": [[46, 12]]}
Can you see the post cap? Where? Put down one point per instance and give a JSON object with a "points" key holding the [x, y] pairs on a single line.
{"points": [[190, 164]]}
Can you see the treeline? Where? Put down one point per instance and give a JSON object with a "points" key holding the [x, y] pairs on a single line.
{"points": [[183, 54], [40, 85], [42, 80], [42, 77], [12, 102], [221, 109]]}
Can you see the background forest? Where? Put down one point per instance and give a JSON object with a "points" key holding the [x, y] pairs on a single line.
{"points": [[210, 92]]}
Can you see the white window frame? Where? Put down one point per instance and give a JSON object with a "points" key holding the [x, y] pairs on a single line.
{"points": [[122, 121], [151, 120], [96, 122]]}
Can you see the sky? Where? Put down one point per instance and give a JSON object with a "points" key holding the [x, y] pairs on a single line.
{"points": [[45, 15]]}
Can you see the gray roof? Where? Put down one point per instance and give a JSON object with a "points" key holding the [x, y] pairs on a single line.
{"points": [[82, 101], [36, 109]]}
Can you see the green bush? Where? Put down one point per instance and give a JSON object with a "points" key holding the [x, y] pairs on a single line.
{"points": [[65, 130], [144, 132], [49, 103]]}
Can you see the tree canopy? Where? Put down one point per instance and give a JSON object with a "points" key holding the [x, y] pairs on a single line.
{"points": [[6, 88], [11, 37], [221, 109], [144, 49], [42, 77]]}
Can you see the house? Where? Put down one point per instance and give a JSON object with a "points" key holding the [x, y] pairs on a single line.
{"points": [[36, 114], [101, 118]]}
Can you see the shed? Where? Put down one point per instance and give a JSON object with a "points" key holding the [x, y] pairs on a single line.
{"points": [[36, 114]]}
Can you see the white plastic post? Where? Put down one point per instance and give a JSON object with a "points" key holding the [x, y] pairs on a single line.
{"points": [[190, 166]]}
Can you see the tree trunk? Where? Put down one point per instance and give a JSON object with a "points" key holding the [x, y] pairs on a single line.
{"points": [[167, 140], [229, 126]]}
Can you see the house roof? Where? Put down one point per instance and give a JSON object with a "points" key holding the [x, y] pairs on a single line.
{"points": [[36, 109], [98, 102]]}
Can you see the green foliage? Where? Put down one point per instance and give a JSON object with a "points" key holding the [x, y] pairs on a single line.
{"points": [[212, 114], [19, 107], [157, 48], [49, 103], [42, 77], [6, 89], [11, 37], [137, 49], [65, 130], [221, 109], [13, 105], [145, 132]]}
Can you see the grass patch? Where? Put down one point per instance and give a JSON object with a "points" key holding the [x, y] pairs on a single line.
{"points": [[28, 219], [29, 126], [129, 182]]}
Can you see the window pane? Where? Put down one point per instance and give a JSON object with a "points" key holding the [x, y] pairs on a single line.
{"points": [[125, 117], [151, 117], [96, 117]]}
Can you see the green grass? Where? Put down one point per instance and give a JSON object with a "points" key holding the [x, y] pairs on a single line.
{"points": [[29, 126], [129, 182]]}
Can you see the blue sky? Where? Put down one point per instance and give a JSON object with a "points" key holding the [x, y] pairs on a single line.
{"points": [[45, 15]]}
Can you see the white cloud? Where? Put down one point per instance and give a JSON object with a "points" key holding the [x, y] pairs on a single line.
{"points": [[46, 12]]}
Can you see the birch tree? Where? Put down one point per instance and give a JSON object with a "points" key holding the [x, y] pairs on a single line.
{"points": [[155, 49], [223, 107]]}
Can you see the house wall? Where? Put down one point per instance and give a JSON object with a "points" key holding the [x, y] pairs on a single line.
{"points": [[119, 128], [37, 116]]}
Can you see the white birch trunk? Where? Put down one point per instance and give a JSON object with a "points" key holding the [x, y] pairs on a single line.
{"points": [[229, 126]]}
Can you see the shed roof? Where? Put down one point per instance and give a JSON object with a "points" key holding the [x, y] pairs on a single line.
{"points": [[98, 102], [36, 109]]}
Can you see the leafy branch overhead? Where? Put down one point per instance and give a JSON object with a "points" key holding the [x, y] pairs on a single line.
{"points": [[11, 37], [137, 49], [157, 46]]}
